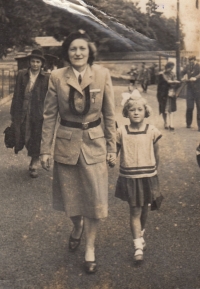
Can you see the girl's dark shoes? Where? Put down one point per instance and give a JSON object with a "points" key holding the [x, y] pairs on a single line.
{"points": [[73, 242], [171, 128], [90, 267]]}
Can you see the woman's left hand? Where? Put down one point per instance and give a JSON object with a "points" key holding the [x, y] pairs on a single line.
{"points": [[111, 159]]}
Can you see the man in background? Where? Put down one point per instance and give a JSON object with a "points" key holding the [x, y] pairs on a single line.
{"points": [[191, 74]]}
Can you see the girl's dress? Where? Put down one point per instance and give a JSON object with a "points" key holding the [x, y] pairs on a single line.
{"points": [[137, 182]]}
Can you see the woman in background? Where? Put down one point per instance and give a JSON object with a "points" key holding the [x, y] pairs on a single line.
{"points": [[166, 95], [27, 108]]}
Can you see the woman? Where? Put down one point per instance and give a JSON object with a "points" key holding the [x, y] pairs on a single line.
{"points": [[27, 108], [81, 93], [166, 95]]}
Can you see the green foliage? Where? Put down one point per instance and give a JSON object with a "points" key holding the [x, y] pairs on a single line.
{"points": [[20, 22], [127, 27]]}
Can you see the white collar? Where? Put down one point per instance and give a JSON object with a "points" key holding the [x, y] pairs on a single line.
{"points": [[33, 76], [77, 73]]}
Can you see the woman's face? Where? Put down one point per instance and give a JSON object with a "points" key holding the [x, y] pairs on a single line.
{"points": [[78, 54], [35, 64], [169, 69]]}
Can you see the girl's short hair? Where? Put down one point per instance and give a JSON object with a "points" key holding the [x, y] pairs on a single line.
{"points": [[129, 103], [169, 65], [80, 34]]}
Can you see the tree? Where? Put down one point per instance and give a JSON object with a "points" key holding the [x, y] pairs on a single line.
{"points": [[125, 26], [20, 22]]}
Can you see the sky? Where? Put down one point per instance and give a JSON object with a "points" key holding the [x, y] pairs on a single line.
{"points": [[189, 17]]}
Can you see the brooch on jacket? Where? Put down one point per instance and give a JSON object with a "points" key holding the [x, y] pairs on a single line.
{"points": [[93, 93]]}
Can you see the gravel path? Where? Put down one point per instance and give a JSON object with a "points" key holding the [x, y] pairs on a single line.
{"points": [[34, 238]]}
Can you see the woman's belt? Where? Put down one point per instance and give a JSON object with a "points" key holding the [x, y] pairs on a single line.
{"points": [[84, 125]]}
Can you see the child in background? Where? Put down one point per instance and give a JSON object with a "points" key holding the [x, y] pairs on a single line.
{"points": [[139, 157], [132, 92]]}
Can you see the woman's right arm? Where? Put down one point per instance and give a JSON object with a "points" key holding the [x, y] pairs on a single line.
{"points": [[49, 123]]}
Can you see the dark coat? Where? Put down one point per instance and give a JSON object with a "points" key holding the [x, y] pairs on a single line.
{"points": [[162, 94], [18, 109], [193, 88]]}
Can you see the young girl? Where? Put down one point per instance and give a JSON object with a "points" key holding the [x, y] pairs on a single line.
{"points": [[138, 182]]}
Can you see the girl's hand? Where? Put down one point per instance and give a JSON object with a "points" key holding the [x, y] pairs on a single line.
{"points": [[45, 162], [111, 159]]}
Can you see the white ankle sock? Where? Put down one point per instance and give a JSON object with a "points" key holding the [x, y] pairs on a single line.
{"points": [[89, 254]]}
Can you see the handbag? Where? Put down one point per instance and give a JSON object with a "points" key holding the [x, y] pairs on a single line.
{"points": [[9, 138], [156, 204], [171, 92]]}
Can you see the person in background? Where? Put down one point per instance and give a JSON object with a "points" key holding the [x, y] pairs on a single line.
{"points": [[192, 73], [82, 95], [166, 95], [27, 108], [137, 183], [143, 77], [133, 74], [152, 73], [132, 91]]}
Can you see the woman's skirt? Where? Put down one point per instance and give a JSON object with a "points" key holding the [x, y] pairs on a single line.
{"points": [[170, 105], [81, 189], [137, 191]]}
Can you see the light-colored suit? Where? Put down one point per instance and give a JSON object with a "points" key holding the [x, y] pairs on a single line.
{"points": [[95, 142]]}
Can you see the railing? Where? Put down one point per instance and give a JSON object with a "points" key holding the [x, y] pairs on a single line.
{"points": [[7, 82]]}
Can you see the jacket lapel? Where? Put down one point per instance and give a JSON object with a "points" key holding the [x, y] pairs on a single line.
{"points": [[72, 80], [25, 78], [87, 78]]}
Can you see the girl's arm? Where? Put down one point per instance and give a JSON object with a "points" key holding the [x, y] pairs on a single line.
{"points": [[156, 153]]}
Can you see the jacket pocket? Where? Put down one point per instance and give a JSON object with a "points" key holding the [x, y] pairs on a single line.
{"points": [[97, 142], [95, 134], [64, 134]]}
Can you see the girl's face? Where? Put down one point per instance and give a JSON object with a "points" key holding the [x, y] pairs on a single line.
{"points": [[78, 53], [136, 112]]}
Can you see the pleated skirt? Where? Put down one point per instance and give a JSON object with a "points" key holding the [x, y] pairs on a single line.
{"points": [[137, 191], [81, 189]]}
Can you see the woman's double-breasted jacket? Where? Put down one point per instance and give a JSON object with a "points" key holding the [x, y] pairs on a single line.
{"points": [[93, 142]]}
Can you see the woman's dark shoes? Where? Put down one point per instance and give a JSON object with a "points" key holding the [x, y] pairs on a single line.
{"points": [[73, 242], [166, 127], [33, 172], [171, 128], [90, 267]]}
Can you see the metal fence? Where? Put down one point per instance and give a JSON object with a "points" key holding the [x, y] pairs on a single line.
{"points": [[7, 82]]}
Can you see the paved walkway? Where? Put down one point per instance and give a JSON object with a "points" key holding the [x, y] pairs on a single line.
{"points": [[34, 238]]}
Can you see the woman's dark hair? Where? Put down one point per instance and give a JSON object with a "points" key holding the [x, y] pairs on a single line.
{"points": [[79, 35], [169, 65], [37, 53]]}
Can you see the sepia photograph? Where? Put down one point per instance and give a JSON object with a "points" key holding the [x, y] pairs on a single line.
{"points": [[100, 142]]}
